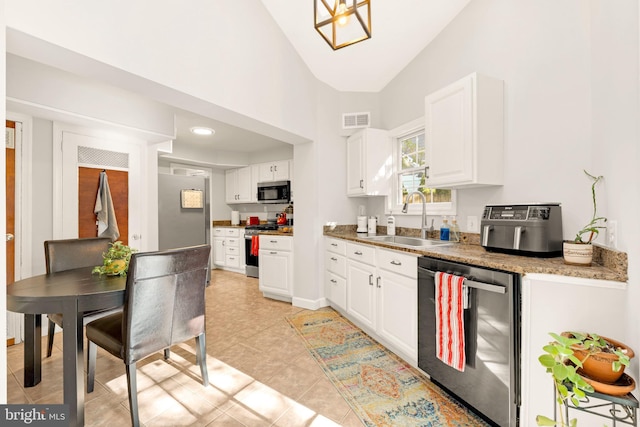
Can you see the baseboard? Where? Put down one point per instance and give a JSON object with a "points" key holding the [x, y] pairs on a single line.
{"points": [[309, 304], [10, 342]]}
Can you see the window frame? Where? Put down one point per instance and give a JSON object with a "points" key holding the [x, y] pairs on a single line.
{"points": [[394, 202]]}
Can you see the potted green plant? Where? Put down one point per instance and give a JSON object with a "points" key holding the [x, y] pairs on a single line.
{"points": [[561, 362], [115, 260], [580, 251], [603, 359], [569, 360]]}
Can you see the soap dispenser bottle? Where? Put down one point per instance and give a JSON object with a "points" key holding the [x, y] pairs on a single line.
{"points": [[444, 229], [454, 232]]}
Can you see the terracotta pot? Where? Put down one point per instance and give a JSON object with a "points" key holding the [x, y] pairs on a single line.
{"points": [[598, 366], [577, 253]]}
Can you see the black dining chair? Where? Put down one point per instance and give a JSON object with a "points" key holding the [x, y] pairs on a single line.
{"points": [[164, 305], [67, 254]]}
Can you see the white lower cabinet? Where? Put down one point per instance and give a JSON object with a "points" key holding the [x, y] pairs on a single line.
{"points": [[336, 274], [398, 300], [379, 292], [276, 267], [361, 292], [228, 248]]}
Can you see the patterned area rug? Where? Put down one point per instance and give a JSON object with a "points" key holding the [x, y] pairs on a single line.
{"points": [[380, 387]]}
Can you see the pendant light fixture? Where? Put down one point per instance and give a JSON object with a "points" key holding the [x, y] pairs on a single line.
{"points": [[344, 22]]}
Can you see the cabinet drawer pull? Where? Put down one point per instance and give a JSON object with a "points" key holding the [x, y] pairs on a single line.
{"points": [[273, 253], [334, 244], [334, 281], [396, 263], [357, 253], [371, 280], [334, 258]]}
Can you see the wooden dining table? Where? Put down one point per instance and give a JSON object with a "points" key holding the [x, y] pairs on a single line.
{"points": [[71, 293]]}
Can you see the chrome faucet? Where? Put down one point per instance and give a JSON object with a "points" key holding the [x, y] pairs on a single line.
{"points": [[423, 228]]}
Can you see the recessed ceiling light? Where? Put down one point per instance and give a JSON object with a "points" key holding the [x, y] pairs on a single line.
{"points": [[199, 130]]}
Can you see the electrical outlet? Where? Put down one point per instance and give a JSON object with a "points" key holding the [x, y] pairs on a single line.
{"points": [[612, 234], [472, 224]]}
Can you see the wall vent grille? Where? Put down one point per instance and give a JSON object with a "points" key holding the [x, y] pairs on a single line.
{"points": [[103, 158], [356, 120]]}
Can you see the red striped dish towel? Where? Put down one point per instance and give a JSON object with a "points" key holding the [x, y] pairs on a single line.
{"points": [[255, 245], [450, 295]]}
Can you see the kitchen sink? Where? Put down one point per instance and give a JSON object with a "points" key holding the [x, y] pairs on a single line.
{"points": [[405, 241]]}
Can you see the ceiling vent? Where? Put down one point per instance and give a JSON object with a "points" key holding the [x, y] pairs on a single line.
{"points": [[356, 120]]}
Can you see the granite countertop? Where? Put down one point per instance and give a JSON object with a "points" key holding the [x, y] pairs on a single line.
{"points": [[276, 233], [608, 264], [227, 224]]}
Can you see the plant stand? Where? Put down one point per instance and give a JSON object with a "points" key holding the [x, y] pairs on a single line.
{"points": [[621, 409]]}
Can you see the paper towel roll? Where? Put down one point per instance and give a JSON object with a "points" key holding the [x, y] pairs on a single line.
{"points": [[235, 218]]}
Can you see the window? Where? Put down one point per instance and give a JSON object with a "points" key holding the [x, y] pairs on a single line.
{"points": [[410, 162]]}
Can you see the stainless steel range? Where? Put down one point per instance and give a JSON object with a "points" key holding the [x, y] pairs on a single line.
{"points": [[251, 259]]}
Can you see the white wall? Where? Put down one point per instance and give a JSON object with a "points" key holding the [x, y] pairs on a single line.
{"points": [[541, 51], [213, 58], [60, 92], [42, 191]]}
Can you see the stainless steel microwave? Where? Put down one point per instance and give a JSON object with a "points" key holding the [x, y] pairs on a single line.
{"points": [[274, 192]]}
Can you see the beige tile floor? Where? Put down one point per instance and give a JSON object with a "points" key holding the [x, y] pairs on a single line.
{"points": [[260, 373]]}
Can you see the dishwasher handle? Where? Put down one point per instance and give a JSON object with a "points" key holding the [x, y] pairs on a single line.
{"points": [[472, 283]]}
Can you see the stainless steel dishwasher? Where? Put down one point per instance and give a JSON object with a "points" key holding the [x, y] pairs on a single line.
{"points": [[490, 383]]}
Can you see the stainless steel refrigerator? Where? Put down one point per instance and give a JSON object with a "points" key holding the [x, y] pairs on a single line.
{"points": [[183, 211]]}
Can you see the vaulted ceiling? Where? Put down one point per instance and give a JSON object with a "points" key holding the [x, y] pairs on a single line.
{"points": [[400, 30]]}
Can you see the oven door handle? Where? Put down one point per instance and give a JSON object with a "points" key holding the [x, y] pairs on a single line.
{"points": [[472, 283]]}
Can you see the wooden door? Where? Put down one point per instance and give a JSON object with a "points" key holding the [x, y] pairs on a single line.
{"points": [[10, 173], [88, 181], [10, 199]]}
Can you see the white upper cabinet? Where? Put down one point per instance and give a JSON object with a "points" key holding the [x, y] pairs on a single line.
{"points": [[274, 171], [369, 164], [238, 185], [464, 133]]}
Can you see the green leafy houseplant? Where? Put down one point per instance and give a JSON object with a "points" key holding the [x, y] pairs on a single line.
{"points": [[592, 344], [562, 359], [594, 226], [115, 260], [562, 364]]}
